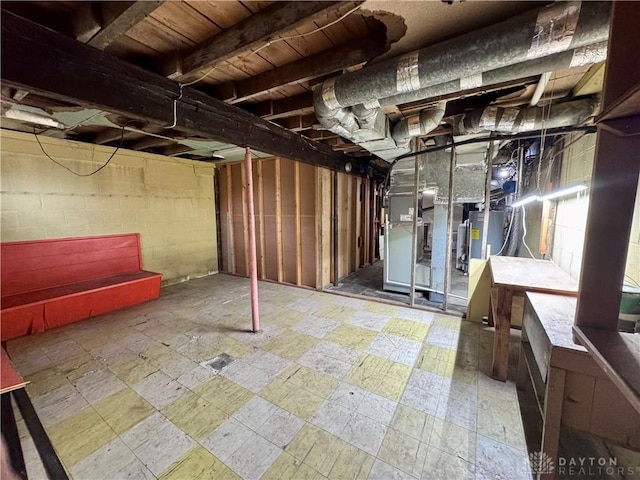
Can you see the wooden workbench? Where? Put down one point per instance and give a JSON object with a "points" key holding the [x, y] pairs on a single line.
{"points": [[512, 277], [571, 389]]}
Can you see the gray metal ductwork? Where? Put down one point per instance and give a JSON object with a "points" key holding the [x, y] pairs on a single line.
{"points": [[416, 125], [514, 119], [525, 45]]}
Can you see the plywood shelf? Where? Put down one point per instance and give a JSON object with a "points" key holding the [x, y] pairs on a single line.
{"points": [[618, 354]]}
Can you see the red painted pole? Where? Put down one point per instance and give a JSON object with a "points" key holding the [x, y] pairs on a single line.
{"points": [[253, 262]]}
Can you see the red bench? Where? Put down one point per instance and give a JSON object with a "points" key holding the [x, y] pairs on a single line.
{"points": [[49, 283]]}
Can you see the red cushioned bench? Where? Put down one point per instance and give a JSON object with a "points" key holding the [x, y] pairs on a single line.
{"points": [[49, 283]]}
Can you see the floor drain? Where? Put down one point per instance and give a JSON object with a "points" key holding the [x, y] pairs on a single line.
{"points": [[219, 362]]}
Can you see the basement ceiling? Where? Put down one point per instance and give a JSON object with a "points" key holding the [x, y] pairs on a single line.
{"points": [[263, 58]]}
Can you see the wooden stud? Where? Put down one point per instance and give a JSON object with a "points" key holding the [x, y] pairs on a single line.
{"points": [[230, 235], [553, 398], [245, 219], [261, 221], [279, 224], [296, 184], [344, 225], [502, 334]]}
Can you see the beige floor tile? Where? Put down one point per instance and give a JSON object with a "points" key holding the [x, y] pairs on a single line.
{"points": [[286, 318], [500, 420], [198, 464], [335, 312], [80, 435], [379, 375], [385, 309], [441, 465], [453, 439], [407, 328], [351, 464], [224, 394], [287, 467], [45, 381], [412, 422], [357, 338], [293, 398], [448, 321], [133, 370], [403, 452], [291, 345], [312, 380], [124, 409], [316, 448], [194, 415]]}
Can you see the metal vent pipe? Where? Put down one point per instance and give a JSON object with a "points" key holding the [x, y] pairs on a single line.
{"points": [[552, 29]]}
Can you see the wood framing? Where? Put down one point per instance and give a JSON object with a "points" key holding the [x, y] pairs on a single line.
{"points": [[254, 32], [84, 75]]}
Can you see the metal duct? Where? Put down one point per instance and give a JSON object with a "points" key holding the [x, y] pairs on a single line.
{"points": [[552, 29], [416, 125], [513, 119], [578, 57]]}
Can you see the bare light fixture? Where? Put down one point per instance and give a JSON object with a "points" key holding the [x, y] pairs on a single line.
{"points": [[564, 191], [525, 200]]}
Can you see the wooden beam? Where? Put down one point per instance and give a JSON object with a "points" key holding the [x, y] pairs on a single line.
{"points": [[299, 123], [149, 142], [614, 182], [253, 32], [111, 135], [323, 63], [68, 70], [301, 104], [116, 18]]}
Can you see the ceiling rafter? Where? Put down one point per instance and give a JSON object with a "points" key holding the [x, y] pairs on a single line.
{"points": [[327, 61], [85, 75], [109, 21], [251, 33]]}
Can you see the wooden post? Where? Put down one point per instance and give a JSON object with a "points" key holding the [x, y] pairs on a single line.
{"points": [[251, 248], [263, 267], [279, 224], [614, 180], [230, 244], [336, 231], [296, 189]]}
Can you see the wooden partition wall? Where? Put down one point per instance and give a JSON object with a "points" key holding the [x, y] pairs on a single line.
{"points": [[294, 221]]}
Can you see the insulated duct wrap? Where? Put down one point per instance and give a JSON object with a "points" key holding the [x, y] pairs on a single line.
{"points": [[513, 120], [549, 30], [416, 125]]}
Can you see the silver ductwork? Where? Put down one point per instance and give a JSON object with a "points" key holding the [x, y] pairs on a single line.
{"points": [[528, 44], [514, 119]]}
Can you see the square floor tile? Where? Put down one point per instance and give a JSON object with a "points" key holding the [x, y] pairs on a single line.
{"points": [[407, 328], [364, 433], [453, 439], [157, 442], [393, 347], [364, 402], [501, 462], [330, 358], [412, 422], [318, 327], [442, 337], [123, 409], [159, 389], [255, 412], [332, 417], [370, 320], [352, 463], [194, 415], [383, 471], [439, 464], [199, 464], [280, 427], [403, 452], [227, 438], [224, 394], [316, 448], [97, 385], [291, 345], [113, 457], [356, 338]]}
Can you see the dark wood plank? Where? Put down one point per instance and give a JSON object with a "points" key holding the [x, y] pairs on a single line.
{"points": [[116, 19], [81, 74], [327, 61], [254, 32], [618, 354], [301, 104]]}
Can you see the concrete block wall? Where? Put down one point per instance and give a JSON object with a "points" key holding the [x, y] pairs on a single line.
{"points": [[170, 202], [571, 215]]}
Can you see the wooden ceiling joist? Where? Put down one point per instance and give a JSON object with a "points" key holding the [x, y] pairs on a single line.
{"points": [[299, 123], [301, 104], [71, 71], [109, 21], [252, 33], [109, 135], [308, 68], [149, 142]]}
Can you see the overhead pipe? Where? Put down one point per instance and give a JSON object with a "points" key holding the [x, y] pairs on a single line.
{"points": [[349, 105], [514, 119], [416, 125], [253, 257], [542, 84], [551, 29], [578, 57]]}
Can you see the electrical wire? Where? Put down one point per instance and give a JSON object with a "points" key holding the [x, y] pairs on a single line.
{"points": [[524, 231], [253, 52], [97, 169], [506, 238]]}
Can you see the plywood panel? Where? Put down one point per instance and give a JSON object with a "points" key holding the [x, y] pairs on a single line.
{"points": [[288, 199], [270, 223], [238, 220]]}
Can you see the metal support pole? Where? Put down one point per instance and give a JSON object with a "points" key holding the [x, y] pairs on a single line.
{"points": [[253, 260], [336, 238], [487, 202], [414, 236], [447, 266]]}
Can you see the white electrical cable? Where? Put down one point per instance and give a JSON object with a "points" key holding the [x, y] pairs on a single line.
{"points": [[524, 232], [506, 239]]}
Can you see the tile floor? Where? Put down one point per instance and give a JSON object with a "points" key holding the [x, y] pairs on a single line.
{"points": [[333, 387]]}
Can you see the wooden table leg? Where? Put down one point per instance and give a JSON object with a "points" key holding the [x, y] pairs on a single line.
{"points": [[553, 398], [502, 334]]}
